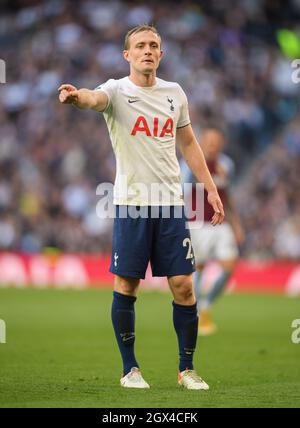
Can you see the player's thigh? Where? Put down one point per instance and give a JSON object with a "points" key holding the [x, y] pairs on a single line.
{"points": [[203, 237], [226, 248], [131, 245], [228, 264], [172, 253]]}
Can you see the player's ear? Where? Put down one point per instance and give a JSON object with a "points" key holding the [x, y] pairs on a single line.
{"points": [[126, 55], [161, 54]]}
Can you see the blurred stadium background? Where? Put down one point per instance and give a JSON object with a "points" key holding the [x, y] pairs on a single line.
{"points": [[234, 60]]}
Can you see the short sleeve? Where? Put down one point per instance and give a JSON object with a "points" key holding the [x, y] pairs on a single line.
{"points": [[184, 117], [110, 89]]}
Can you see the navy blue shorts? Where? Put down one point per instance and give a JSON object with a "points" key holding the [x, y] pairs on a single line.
{"points": [[165, 242]]}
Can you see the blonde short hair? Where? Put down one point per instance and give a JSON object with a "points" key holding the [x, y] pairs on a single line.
{"points": [[139, 29]]}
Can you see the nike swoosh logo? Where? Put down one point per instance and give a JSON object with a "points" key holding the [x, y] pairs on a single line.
{"points": [[133, 101], [127, 338]]}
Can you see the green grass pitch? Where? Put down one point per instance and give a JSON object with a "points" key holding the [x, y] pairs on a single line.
{"points": [[61, 352]]}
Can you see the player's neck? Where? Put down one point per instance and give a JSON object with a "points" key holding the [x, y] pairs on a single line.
{"points": [[143, 80]]}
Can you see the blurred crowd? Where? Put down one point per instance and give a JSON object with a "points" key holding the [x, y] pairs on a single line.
{"points": [[228, 57], [268, 199]]}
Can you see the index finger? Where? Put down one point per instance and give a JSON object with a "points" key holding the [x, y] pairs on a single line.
{"points": [[67, 87]]}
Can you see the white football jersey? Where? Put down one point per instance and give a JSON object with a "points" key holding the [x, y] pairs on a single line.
{"points": [[142, 123]]}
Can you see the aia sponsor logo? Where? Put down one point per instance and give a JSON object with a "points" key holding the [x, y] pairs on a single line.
{"points": [[154, 129]]}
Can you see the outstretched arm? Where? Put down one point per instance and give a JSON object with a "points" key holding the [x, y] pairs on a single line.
{"points": [[194, 157], [82, 98]]}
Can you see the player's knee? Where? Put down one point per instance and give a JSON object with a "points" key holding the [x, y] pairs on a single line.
{"points": [[186, 293], [228, 265], [183, 290], [200, 266], [126, 286]]}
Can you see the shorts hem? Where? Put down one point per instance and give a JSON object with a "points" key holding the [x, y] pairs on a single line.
{"points": [[137, 275], [185, 272]]}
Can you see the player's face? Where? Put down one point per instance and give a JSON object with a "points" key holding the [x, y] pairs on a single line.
{"points": [[212, 143], [144, 52]]}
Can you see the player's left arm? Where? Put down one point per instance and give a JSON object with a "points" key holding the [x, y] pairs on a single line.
{"points": [[192, 153]]}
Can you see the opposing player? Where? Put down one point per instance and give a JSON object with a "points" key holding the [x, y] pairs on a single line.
{"points": [[145, 115], [211, 243]]}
